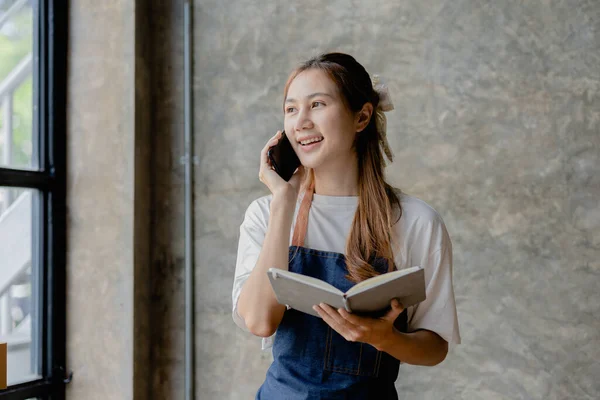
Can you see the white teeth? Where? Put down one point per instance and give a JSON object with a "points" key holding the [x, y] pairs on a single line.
{"points": [[309, 141]]}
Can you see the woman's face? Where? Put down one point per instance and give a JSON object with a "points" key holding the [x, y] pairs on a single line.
{"points": [[318, 123]]}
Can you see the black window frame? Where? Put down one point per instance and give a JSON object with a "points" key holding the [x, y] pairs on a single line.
{"points": [[49, 125]]}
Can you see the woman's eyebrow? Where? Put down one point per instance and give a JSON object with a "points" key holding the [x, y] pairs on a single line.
{"points": [[290, 100]]}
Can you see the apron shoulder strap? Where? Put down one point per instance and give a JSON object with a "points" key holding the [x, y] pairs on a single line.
{"points": [[302, 217]]}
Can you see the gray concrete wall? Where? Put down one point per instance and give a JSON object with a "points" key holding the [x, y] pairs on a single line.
{"points": [[108, 198], [497, 125]]}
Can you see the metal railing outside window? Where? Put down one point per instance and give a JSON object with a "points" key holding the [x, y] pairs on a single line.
{"points": [[33, 37]]}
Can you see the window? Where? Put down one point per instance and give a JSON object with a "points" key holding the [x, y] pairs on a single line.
{"points": [[33, 38]]}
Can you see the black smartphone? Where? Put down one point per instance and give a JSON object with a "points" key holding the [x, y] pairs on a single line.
{"points": [[283, 158]]}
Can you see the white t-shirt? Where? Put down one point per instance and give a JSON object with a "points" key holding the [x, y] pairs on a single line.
{"points": [[422, 241]]}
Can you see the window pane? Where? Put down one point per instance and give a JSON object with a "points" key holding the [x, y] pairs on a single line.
{"points": [[16, 94], [19, 293]]}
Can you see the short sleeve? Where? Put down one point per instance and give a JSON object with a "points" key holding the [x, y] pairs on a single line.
{"points": [[437, 312], [252, 234]]}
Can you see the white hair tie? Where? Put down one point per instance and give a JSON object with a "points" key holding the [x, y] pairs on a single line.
{"points": [[385, 105]]}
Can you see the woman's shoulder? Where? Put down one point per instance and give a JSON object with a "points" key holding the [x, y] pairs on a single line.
{"points": [[419, 218], [415, 208], [421, 224], [259, 207], [263, 202]]}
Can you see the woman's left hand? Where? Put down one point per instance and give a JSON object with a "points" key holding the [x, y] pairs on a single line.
{"points": [[373, 331]]}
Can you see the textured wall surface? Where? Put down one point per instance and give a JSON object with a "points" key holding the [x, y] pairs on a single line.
{"points": [[108, 198], [497, 126]]}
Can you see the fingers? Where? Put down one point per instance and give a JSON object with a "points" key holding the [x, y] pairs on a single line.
{"points": [[351, 318], [333, 314], [328, 315], [298, 176], [336, 321], [396, 310], [265, 164], [397, 304], [272, 142]]}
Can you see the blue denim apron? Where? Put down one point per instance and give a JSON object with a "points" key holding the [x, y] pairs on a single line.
{"points": [[311, 360]]}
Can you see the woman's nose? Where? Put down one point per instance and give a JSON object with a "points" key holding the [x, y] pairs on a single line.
{"points": [[303, 122]]}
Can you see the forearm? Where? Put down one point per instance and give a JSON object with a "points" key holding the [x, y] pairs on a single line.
{"points": [[257, 303], [422, 347]]}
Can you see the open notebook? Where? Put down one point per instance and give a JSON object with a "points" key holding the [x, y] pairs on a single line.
{"points": [[368, 297]]}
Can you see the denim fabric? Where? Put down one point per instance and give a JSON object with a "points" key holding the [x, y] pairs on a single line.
{"points": [[312, 361]]}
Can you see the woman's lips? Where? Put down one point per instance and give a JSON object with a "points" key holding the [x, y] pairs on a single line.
{"points": [[309, 147]]}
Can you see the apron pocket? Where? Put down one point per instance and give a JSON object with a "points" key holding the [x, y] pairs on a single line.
{"points": [[353, 358]]}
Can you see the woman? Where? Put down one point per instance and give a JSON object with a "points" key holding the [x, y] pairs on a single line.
{"points": [[346, 224]]}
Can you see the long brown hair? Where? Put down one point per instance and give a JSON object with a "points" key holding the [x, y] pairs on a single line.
{"points": [[371, 236]]}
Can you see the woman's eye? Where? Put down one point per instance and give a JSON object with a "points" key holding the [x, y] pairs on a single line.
{"points": [[289, 109], [318, 103]]}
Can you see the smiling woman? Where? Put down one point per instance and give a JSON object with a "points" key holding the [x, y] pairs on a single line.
{"points": [[315, 112], [338, 220]]}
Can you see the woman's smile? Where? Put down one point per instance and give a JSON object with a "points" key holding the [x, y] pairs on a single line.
{"points": [[309, 144]]}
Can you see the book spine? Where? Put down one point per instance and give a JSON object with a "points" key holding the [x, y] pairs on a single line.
{"points": [[346, 303]]}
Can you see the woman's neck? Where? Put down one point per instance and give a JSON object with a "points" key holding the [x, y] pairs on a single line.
{"points": [[340, 181]]}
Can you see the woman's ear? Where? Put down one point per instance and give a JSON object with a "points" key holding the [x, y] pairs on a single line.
{"points": [[363, 117]]}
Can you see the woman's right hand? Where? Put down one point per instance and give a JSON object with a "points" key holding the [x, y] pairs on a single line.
{"points": [[277, 185]]}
